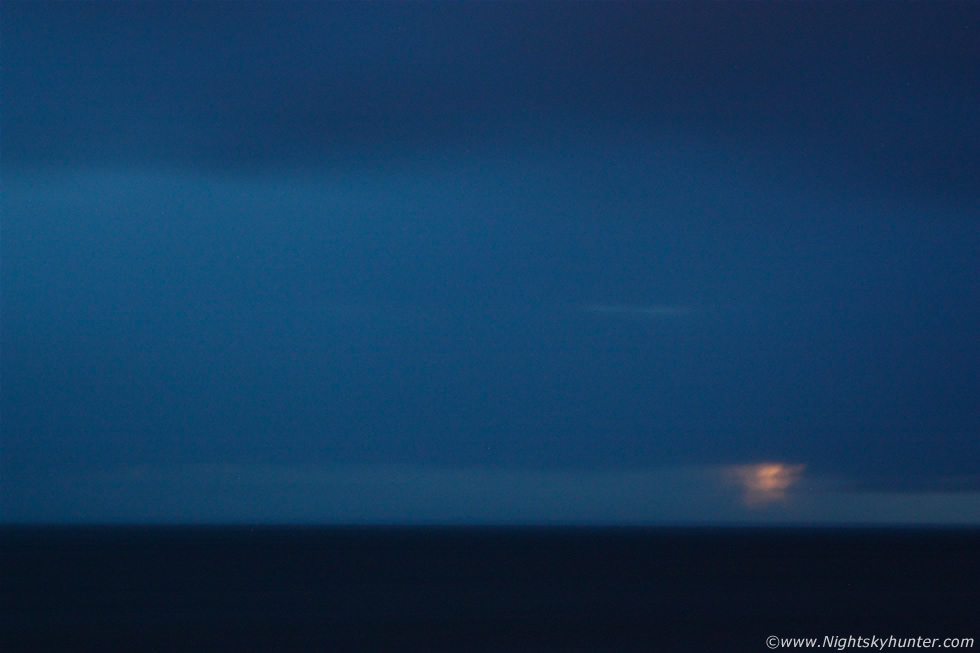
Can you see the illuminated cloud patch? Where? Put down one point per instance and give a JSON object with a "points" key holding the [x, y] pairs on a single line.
{"points": [[766, 483]]}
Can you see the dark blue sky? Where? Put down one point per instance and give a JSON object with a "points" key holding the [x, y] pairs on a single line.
{"points": [[490, 261]]}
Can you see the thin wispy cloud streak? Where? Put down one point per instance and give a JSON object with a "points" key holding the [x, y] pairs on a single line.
{"points": [[638, 311]]}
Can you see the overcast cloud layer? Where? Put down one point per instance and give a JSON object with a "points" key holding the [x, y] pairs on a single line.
{"points": [[578, 257]]}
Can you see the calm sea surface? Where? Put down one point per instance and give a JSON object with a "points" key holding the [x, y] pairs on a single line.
{"points": [[488, 589]]}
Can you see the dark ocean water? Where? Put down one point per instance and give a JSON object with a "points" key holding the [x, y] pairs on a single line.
{"points": [[487, 589]]}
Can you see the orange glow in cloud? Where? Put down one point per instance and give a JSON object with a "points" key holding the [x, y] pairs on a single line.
{"points": [[767, 482]]}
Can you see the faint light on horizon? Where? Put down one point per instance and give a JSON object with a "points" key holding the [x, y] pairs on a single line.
{"points": [[765, 483]]}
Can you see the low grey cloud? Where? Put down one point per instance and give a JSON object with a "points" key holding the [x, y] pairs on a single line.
{"points": [[761, 493]]}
